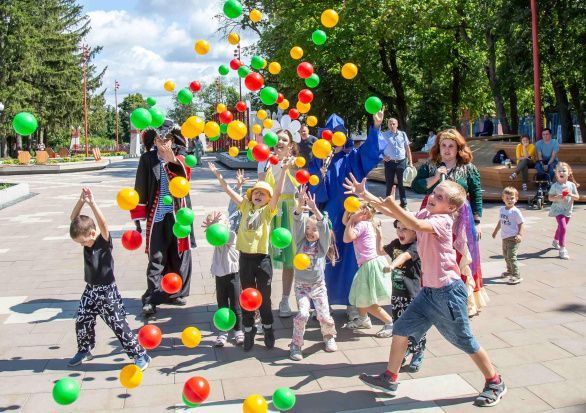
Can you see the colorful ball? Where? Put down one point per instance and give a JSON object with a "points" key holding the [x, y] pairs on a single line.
{"points": [[261, 152], [373, 105], [273, 160], [179, 187], [241, 106], [305, 96], [329, 18], [269, 95], [300, 161], [232, 9], [284, 399], [281, 238], [171, 283], [255, 15], [151, 101], [217, 234], [181, 231], [274, 68], [185, 96], [202, 47], [221, 108], [191, 337], [352, 204], [195, 86], [196, 389], [349, 71], [237, 130], [226, 117], [256, 129], [301, 261], [321, 149], [312, 81], [302, 176], [319, 37], [293, 114], [25, 123], [131, 240], [158, 117], [169, 86], [270, 139], [296, 52], [224, 319], [141, 118], [127, 199], [257, 62], [250, 299], [311, 121], [243, 71], [261, 114], [167, 200], [233, 38], [190, 161], [223, 70], [339, 138], [303, 107], [267, 123], [314, 180], [255, 403], [327, 134], [284, 105], [254, 81], [150, 336], [235, 64], [185, 216], [211, 128], [304, 70], [233, 151], [130, 376], [66, 391]]}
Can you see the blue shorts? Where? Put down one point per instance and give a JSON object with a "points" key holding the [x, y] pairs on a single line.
{"points": [[445, 308]]}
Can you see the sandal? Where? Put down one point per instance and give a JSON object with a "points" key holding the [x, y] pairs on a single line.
{"points": [[513, 176], [385, 332]]}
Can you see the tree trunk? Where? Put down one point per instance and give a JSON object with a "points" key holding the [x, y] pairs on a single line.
{"points": [[514, 108], [561, 97], [388, 55], [493, 81], [577, 102], [456, 83]]}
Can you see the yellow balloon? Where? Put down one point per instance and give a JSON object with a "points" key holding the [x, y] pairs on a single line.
{"points": [[267, 123], [284, 104], [329, 18], [256, 129], [234, 38], [211, 129], [169, 86], [252, 144], [194, 126], [255, 403], [188, 131], [321, 149], [301, 261], [275, 68], [303, 107], [233, 151], [261, 114], [314, 180], [130, 376], [349, 71], [179, 187], [191, 337], [202, 47], [237, 130], [221, 108], [311, 121], [300, 161], [351, 204], [296, 52], [339, 139], [127, 199], [255, 15]]}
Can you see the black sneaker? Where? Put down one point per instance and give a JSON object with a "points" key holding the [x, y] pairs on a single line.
{"points": [[269, 337], [380, 382], [179, 301], [249, 339], [148, 309], [491, 394]]}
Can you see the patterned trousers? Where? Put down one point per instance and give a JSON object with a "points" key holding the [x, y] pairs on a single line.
{"points": [[305, 293], [104, 301]]}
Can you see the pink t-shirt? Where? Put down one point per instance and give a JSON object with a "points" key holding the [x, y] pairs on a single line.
{"points": [[438, 256], [365, 242]]}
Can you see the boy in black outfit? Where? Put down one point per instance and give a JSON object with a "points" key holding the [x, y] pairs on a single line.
{"points": [[101, 296]]}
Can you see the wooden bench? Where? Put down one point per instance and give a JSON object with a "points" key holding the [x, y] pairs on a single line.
{"points": [[97, 154], [24, 157], [63, 152], [42, 157], [572, 153]]}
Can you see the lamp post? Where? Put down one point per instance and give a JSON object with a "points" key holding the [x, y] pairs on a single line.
{"points": [[536, 70], [116, 87], [85, 57], [237, 54], [3, 138]]}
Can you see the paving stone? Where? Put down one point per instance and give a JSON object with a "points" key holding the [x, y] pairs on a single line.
{"points": [[573, 368], [563, 394], [519, 400]]}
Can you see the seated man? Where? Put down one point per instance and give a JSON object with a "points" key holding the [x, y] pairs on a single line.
{"points": [[430, 142], [547, 153]]}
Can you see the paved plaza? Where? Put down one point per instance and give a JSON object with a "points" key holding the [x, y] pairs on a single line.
{"points": [[535, 332]]}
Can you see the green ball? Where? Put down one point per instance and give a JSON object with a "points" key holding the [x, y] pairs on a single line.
{"points": [[167, 200], [319, 37], [190, 161], [218, 234], [232, 9], [373, 105], [224, 319], [249, 155], [181, 231], [185, 96], [66, 391], [312, 81], [243, 71], [187, 402], [281, 238], [141, 118], [257, 62], [284, 399], [270, 139], [151, 101], [25, 123], [223, 128], [158, 116], [223, 70], [269, 95], [185, 216], [215, 138]]}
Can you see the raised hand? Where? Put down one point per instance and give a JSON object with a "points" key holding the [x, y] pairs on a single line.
{"points": [[378, 118], [214, 170], [240, 178], [353, 186], [302, 199], [311, 202], [88, 196]]}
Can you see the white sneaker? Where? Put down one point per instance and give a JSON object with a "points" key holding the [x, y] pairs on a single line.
{"points": [[358, 323], [556, 244], [385, 332], [352, 312], [285, 309], [295, 352], [564, 254], [331, 345]]}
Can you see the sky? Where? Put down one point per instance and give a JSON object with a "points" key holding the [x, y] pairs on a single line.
{"points": [[146, 42]]}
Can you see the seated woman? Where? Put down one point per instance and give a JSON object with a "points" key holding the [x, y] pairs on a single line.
{"points": [[526, 158], [430, 142]]}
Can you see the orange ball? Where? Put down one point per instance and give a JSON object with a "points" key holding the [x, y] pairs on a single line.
{"points": [[127, 199]]}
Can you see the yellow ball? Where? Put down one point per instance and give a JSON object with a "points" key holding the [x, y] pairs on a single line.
{"points": [[255, 15], [255, 403], [275, 68], [301, 261], [191, 337], [352, 204], [130, 376], [127, 199], [329, 18], [252, 144], [220, 107], [256, 129], [314, 180], [179, 187], [261, 114], [237, 130], [267, 123], [300, 161], [321, 149], [211, 129], [339, 138], [284, 104], [234, 38], [349, 71], [169, 86], [193, 126], [202, 47], [296, 52], [233, 151], [303, 107], [311, 121]]}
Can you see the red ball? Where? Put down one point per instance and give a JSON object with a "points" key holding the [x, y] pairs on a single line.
{"points": [[171, 283], [327, 134], [254, 81], [250, 299], [150, 336], [302, 176], [280, 97], [196, 389], [131, 240], [261, 152], [293, 114], [304, 70], [305, 96], [273, 159], [195, 86], [241, 106], [226, 117], [235, 64]]}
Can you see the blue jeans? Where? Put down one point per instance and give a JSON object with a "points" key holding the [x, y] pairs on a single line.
{"points": [[550, 168], [445, 308]]}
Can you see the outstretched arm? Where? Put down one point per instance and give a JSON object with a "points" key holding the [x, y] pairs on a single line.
{"points": [[350, 233], [236, 197], [77, 208], [406, 218], [354, 187], [281, 183], [101, 220]]}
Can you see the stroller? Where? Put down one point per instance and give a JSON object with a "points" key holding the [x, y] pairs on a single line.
{"points": [[542, 184]]}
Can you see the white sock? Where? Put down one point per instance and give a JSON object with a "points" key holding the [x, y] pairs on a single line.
{"points": [[267, 326]]}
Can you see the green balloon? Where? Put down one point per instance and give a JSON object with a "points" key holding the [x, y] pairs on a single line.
{"points": [[257, 62], [269, 95], [185, 216], [141, 118], [181, 231], [232, 9], [151, 101], [223, 70], [284, 398], [281, 238], [187, 402], [167, 200], [66, 391], [190, 161], [373, 105], [158, 116], [25, 123], [223, 128], [312, 81], [185, 96], [270, 138], [244, 71], [319, 37], [224, 319], [249, 155], [215, 138], [218, 234]]}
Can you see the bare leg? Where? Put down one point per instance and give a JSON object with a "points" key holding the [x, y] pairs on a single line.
{"points": [[363, 312], [398, 348], [483, 362], [287, 281], [380, 313]]}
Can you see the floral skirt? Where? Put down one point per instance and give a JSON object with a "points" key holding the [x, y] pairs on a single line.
{"points": [[371, 285]]}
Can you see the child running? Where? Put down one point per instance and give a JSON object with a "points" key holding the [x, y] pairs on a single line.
{"points": [[312, 237], [101, 296], [562, 195], [511, 226]]}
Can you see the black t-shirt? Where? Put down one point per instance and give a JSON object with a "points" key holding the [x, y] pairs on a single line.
{"points": [[99, 262], [410, 273], [305, 147]]}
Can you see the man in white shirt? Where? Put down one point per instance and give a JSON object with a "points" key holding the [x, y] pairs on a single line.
{"points": [[396, 156]]}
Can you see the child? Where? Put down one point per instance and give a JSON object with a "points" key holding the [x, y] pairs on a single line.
{"points": [[101, 296], [562, 195], [314, 238], [511, 226], [443, 300], [258, 208], [370, 286], [406, 278]]}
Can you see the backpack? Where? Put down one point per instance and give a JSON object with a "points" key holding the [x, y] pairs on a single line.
{"points": [[500, 157]]}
